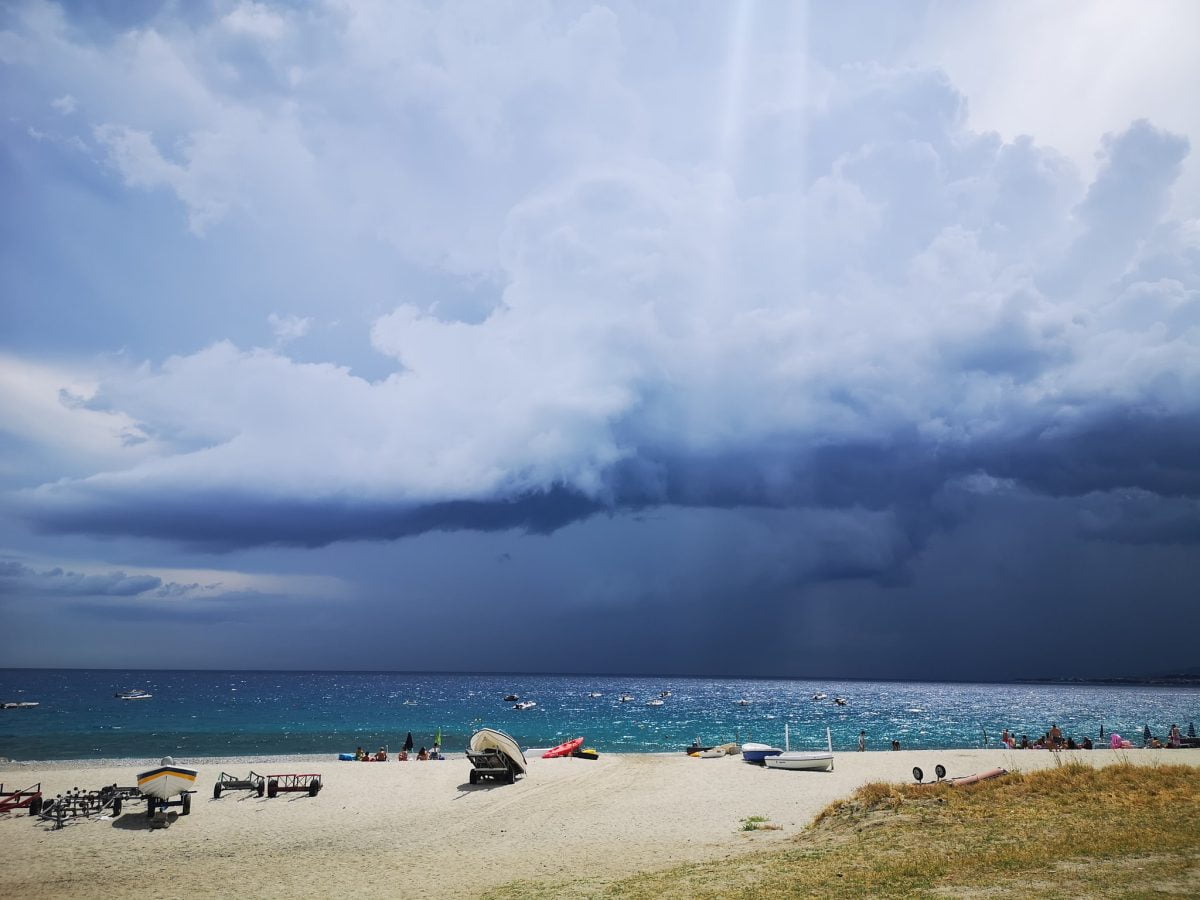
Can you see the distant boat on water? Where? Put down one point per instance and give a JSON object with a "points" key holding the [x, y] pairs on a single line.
{"points": [[20, 704], [135, 694], [655, 702]]}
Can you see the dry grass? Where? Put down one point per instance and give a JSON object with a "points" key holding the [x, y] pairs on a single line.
{"points": [[1118, 831]]}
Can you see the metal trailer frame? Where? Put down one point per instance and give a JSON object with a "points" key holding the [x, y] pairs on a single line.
{"points": [[154, 804], [30, 798], [252, 782], [492, 764], [80, 804], [309, 783]]}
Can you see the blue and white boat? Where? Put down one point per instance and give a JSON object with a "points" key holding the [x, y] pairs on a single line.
{"points": [[757, 753]]}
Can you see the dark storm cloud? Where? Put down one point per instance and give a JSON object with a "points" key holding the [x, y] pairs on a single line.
{"points": [[18, 578], [227, 522]]}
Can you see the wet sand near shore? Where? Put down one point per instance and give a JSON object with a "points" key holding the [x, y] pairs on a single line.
{"points": [[379, 829]]}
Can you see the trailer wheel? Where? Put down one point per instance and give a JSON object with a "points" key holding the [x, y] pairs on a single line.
{"points": [[474, 777], [217, 791], [512, 777], [116, 807], [149, 807], [314, 787], [262, 788], [272, 788], [35, 806], [187, 805]]}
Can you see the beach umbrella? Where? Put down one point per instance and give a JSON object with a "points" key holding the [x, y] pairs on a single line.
{"points": [[408, 743], [437, 738], [1146, 734]]}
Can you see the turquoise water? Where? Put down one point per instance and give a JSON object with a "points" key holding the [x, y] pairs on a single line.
{"points": [[194, 714]]}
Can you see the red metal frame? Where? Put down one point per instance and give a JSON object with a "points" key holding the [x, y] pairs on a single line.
{"points": [[10, 800]]}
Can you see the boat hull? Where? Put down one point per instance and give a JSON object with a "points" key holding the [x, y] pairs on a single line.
{"points": [[491, 739], [165, 782], [795, 760], [756, 753]]}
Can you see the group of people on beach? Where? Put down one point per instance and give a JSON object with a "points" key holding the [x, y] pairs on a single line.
{"points": [[1054, 740], [1051, 740], [361, 755]]}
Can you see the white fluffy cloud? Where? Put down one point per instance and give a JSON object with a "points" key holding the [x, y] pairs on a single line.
{"points": [[751, 257]]}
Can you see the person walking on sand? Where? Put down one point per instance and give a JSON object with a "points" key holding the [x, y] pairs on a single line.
{"points": [[862, 741]]}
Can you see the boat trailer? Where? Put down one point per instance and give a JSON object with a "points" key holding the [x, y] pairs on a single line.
{"points": [[30, 799], [155, 804], [252, 782], [492, 764], [80, 804], [295, 784]]}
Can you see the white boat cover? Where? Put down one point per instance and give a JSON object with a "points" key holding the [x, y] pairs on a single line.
{"points": [[491, 739]]}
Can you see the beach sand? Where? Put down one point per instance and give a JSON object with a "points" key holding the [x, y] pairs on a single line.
{"points": [[419, 828]]}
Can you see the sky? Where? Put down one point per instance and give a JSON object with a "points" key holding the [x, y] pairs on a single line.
{"points": [[720, 338]]}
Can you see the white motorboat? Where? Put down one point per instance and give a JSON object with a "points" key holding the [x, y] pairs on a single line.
{"points": [[135, 694], [19, 704], [840, 701], [166, 780], [664, 694], [820, 695], [595, 694], [655, 702], [626, 698], [803, 760], [486, 739], [525, 704], [742, 702]]}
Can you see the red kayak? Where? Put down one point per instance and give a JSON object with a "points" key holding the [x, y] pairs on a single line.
{"points": [[564, 749]]}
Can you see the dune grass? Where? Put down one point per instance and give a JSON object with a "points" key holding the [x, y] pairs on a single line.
{"points": [[1074, 830]]}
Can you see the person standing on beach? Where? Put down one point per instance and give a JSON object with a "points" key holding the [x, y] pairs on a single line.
{"points": [[1055, 736], [862, 741]]}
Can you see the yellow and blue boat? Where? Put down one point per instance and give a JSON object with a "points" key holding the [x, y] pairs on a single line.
{"points": [[166, 780]]}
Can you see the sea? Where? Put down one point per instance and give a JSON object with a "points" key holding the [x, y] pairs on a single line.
{"points": [[220, 713]]}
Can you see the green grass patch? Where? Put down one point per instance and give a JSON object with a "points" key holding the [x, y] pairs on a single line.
{"points": [[1074, 830], [759, 823]]}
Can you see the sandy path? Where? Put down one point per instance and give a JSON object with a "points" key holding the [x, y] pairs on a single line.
{"points": [[382, 829]]}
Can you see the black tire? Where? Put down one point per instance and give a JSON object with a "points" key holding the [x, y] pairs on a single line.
{"points": [[35, 806], [116, 807], [512, 777], [149, 807], [187, 805], [474, 777], [314, 787], [262, 788], [272, 788], [217, 791]]}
